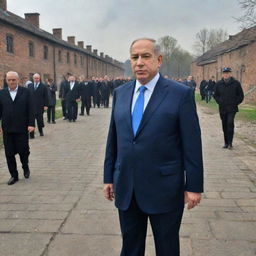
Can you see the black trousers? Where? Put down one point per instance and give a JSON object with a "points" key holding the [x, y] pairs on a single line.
{"points": [[64, 108], [16, 143], [228, 126], [85, 106], [165, 229], [72, 108], [51, 113], [40, 121]]}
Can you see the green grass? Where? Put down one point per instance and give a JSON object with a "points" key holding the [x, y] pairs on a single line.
{"points": [[247, 112]]}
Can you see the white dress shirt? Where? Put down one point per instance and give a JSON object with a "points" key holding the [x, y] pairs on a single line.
{"points": [[147, 94], [13, 93], [72, 85]]}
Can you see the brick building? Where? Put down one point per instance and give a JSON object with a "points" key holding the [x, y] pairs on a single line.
{"points": [[27, 49], [239, 53]]}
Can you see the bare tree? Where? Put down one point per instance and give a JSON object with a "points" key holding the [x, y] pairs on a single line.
{"points": [[207, 39], [168, 45], [248, 19], [176, 62]]}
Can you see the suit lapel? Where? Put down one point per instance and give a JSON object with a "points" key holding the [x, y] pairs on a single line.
{"points": [[8, 94], [19, 92], [156, 98], [127, 102]]}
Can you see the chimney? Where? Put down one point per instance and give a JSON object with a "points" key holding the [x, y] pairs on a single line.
{"points": [[57, 32], [80, 44], [95, 51], [102, 54], [3, 5], [32, 18], [89, 48], [71, 39]]}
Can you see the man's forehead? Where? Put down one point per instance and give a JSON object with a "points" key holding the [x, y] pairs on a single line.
{"points": [[142, 46]]}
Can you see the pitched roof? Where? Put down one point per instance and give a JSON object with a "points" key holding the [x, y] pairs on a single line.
{"points": [[21, 23], [243, 38]]}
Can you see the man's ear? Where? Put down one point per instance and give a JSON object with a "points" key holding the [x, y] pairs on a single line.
{"points": [[160, 60]]}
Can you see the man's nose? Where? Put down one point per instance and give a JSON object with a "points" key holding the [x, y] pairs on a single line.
{"points": [[140, 61]]}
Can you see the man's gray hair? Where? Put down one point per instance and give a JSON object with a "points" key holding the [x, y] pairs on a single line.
{"points": [[157, 47], [12, 73], [36, 74]]}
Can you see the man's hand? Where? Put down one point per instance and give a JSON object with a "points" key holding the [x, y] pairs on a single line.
{"points": [[192, 199], [108, 191], [45, 107], [31, 129], [77, 100]]}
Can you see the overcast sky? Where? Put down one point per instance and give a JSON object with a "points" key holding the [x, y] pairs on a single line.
{"points": [[111, 25]]}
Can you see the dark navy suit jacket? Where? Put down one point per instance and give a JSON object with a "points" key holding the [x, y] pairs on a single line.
{"points": [[164, 158]]}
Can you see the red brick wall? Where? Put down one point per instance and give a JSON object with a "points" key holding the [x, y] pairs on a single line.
{"points": [[21, 62], [243, 63]]}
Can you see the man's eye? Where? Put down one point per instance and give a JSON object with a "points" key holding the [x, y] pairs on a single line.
{"points": [[134, 57]]}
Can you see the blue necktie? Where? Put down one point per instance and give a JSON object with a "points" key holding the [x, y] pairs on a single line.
{"points": [[138, 110]]}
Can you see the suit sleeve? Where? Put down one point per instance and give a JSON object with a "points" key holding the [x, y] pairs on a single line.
{"points": [[46, 97], [111, 148], [31, 109], [191, 144], [239, 93]]}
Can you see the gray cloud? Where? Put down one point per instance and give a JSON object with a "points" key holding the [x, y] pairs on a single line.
{"points": [[111, 25]]}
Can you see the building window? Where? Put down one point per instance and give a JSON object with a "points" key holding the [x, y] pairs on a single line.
{"points": [[82, 60], [59, 56], [45, 52], [9, 43], [31, 49], [75, 59], [68, 57]]}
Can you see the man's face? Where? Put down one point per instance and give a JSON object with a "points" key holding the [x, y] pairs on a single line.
{"points": [[144, 62], [12, 80], [71, 79], [36, 79], [190, 78], [226, 75]]}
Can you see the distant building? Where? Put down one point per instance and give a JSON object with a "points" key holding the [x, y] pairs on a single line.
{"points": [[239, 53], [27, 49]]}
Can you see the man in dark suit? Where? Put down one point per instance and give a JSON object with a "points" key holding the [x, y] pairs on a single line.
{"points": [[40, 94], [228, 94], [85, 94], [18, 119], [72, 95], [153, 161], [63, 87]]}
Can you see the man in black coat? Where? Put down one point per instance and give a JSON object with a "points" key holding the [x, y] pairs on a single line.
{"points": [[228, 94], [202, 87], [63, 87], [85, 94], [51, 88], [40, 95], [72, 96], [18, 119]]}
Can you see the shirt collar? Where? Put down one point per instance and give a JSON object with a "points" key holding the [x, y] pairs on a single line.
{"points": [[15, 90], [150, 85]]}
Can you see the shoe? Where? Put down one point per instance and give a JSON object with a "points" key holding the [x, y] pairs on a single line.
{"points": [[64, 118], [81, 114], [12, 180], [74, 120], [230, 147], [26, 173], [41, 133], [53, 122], [48, 122], [70, 120], [225, 146]]}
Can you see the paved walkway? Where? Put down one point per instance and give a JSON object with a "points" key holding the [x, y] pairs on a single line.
{"points": [[60, 210]]}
